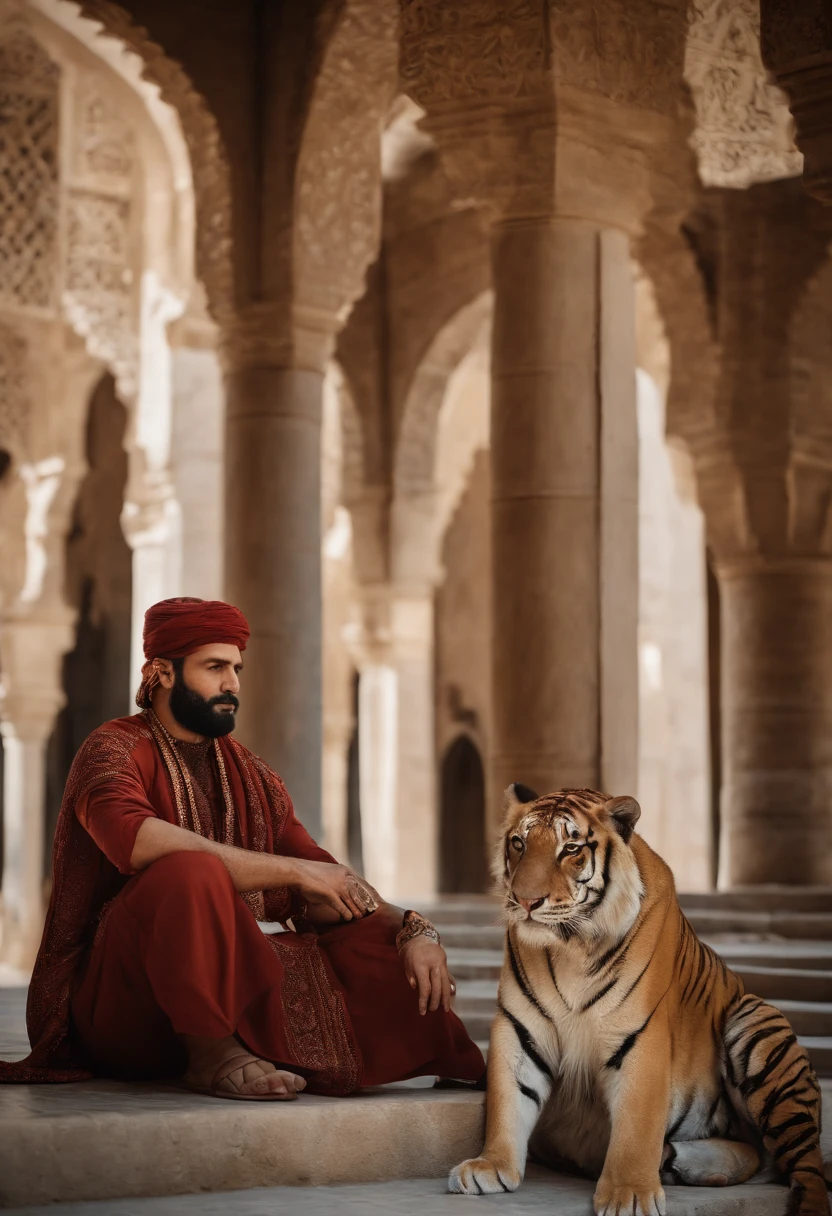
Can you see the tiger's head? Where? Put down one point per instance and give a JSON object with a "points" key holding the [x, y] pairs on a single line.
{"points": [[566, 865]]}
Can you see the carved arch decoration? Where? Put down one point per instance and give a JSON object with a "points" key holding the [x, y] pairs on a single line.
{"points": [[207, 155], [338, 187]]}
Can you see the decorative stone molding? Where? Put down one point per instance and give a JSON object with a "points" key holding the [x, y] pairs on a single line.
{"points": [[797, 48], [29, 137], [14, 397], [744, 128], [338, 187]]}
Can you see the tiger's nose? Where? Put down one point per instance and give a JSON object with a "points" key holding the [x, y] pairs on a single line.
{"points": [[531, 904]]}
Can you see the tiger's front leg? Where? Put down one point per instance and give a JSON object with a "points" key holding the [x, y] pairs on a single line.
{"points": [[636, 1081], [519, 1082]]}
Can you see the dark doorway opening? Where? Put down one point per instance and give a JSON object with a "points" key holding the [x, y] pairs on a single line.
{"points": [[463, 865]]}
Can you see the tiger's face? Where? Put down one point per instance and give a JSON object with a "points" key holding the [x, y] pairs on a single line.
{"points": [[565, 863]]}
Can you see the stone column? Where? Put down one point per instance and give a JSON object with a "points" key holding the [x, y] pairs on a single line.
{"points": [[198, 418], [273, 554], [763, 462], [777, 720], [397, 759], [32, 650], [564, 517]]}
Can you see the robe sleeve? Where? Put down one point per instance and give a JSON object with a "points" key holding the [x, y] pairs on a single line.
{"points": [[112, 813], [295, 841]]}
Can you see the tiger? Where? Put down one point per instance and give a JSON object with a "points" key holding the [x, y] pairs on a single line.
{"points": [[623, 1048]]}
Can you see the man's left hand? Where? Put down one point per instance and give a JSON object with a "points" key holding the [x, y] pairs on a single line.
{"points": [[426, 968]]}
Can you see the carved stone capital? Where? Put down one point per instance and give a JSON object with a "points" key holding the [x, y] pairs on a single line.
{"points": [[394, 623], [509, 89], [31, 686], [277, 334], [761, 436], [796, 42]]}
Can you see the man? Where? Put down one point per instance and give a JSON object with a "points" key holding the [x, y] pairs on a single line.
{"points": [[172, 842]]}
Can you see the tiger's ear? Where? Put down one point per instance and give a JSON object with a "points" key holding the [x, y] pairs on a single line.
{"points": [[625, 813], [514, 800]]}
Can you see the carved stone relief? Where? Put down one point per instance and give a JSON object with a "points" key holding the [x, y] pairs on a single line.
{"points": [[744, 128], [629, 51], [474, 49], [105, 145], [338, 193], [29, 83]]}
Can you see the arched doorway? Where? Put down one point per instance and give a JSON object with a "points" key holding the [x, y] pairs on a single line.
{"points": [[463, 866], [96, 673]]}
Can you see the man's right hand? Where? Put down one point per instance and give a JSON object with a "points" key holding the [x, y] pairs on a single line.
{"points": [[337, 886]]}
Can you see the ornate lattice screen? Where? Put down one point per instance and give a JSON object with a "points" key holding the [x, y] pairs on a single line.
{"points": [[29, 83], [13, 402]]}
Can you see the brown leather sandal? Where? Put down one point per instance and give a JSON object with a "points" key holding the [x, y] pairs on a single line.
{"points": [[225, 1070]]}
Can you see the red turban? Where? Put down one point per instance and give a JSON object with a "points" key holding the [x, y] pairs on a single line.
{"points": [[176, 628]]}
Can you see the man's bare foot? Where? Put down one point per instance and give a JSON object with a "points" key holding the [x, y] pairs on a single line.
{"points": [[224, 1068]]}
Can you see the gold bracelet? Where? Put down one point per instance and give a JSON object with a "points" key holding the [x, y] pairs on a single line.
{"points": [[415, 925]]}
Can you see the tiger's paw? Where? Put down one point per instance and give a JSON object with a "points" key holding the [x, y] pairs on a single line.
{"points": [[629, 1199], [480, 1177]]}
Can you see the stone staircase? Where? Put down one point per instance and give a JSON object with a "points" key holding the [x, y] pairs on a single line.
{"points": [[778, 940], [150, 1150]]}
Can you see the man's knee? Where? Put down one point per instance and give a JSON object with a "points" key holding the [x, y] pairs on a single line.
{"points": [[189, 870]]}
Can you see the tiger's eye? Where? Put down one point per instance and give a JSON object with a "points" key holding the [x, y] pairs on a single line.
{"points": [[517, 844]]}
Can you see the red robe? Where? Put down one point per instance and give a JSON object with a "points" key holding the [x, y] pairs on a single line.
{"points": [[129, 961]]}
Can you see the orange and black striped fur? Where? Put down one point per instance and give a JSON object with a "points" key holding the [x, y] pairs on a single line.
{"points": [[624, 1047]]}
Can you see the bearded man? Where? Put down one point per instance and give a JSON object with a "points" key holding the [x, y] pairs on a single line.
{"points": [[172, 843]]}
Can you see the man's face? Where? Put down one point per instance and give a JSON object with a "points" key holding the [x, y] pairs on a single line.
{"points": [[203, 697]]}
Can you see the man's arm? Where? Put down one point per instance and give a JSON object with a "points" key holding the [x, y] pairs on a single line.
{"points": [[319, 882]]}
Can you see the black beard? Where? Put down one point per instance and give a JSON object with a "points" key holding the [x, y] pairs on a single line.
{"points": [[196, 713]]}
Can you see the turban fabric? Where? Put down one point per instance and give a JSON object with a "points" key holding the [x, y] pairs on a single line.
{"points": [[176, 628]]}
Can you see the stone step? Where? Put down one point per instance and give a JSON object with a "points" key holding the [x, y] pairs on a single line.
{"points": [[541, 1193], [807, 956], [475, 964], [815, 926], [786, 983], [103, 1141], [755, 930], [761, 899], [810, 1020]]}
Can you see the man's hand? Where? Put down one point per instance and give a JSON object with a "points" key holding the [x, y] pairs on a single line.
{"points": [[426, 968], [336, 886]]}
